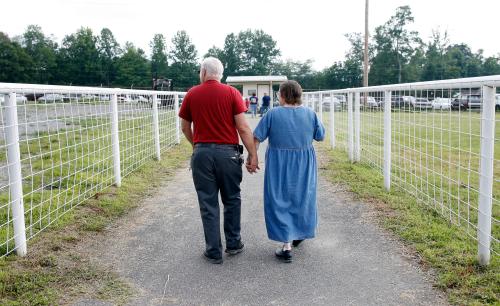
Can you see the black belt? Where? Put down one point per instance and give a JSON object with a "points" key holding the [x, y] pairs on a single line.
{"points": [[219, 145]]}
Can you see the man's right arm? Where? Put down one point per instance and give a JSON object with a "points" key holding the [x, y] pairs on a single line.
{"points": [[246, 136], [186, 130]]}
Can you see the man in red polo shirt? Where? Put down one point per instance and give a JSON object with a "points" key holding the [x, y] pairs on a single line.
{"points": [[217, 114]]}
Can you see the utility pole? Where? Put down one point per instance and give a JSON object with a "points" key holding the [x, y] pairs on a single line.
{"points": [[365, 65]]}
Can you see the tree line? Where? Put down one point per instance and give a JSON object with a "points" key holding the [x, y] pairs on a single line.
{"points": [[396, 55]]}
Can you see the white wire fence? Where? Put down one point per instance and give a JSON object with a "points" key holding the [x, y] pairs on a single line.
{"points": [[437, 141], [61, 145]]}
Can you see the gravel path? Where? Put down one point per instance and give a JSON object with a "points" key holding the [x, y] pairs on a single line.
{"points": [[158, 248]]}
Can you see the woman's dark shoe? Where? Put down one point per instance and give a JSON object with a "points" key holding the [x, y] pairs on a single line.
{"points": [[296, 243], [212, 259], [284, 255]]}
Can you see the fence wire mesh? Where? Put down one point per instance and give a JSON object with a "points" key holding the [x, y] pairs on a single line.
{"points": [[65, 142], [435, 145]]}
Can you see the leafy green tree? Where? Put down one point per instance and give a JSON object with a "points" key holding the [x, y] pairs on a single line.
{"points": [[395, 45], [457, 60], [79, 59], [232, 55], [435, 64], [491, 66], [133, 68], [159, 63], [258, 51], [15, 63], [300, 71], [109, 51], [184, 68], [42, 51], [215, 52]]}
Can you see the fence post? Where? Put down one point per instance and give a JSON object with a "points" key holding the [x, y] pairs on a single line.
{"points": [[350, 127], [387, 140], [332, 121], [15, 174], [177, 119], [115, 140], [486, 175], [357, 125], [320, 107], [156, 127]]}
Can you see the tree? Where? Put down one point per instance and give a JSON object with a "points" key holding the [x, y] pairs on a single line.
{"points": [[183, 50], [159, 64], [232, 55], [258, 51], [79, 59], [302, 72], [215, 52], [133, 68], [42, 51], [15, 63], [395, 45], [434, 64], [491, 66], [183, 54], [109, 51]]}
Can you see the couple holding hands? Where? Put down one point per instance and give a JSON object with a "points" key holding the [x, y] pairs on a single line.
{"points": [[212, 116]]}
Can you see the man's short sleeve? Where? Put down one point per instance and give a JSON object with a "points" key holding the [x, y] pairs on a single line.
{"points": [[185, 111], [238, 103]]}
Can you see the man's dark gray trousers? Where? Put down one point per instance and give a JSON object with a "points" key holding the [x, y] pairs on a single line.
{"points": [[218, 168]]}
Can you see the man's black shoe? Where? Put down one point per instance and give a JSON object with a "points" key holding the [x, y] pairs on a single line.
{"points": [[296, 243], [235, 251], [211, 259], [284, 255]]}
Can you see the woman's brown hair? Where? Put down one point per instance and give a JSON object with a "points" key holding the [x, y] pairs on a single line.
{"points": [[291, 92]]}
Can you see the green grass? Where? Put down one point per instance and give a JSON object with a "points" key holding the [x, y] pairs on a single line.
{"points": [[65, 167], [432, 153], [55, 272], [414, 217]]}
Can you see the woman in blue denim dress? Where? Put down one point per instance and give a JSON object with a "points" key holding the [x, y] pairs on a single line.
{"points": [[291, 170]]}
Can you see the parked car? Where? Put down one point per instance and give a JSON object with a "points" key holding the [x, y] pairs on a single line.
{"points": [[88, 97], [464, 102], [441, 103], [497, 104], [51, 98], [103, 98], [342, 99], [21, 99], [336, 104], [123, 98], [420, 103], [398, 101], [409, 100], [370, 102]]}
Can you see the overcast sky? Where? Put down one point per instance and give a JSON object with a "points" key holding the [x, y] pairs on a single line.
{"points": [[303, 29]]}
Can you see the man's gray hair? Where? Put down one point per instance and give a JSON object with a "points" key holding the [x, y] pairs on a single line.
{"points": [[213, 67]]}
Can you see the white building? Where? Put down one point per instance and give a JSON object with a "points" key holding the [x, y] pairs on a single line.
{"points": [[258, 84]]}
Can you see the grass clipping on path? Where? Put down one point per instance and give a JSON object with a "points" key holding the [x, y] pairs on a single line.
{"points": [[440, 245], [54, 272]]}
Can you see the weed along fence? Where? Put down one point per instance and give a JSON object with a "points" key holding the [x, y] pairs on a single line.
{"points": [[437, 141], [61, 145]]}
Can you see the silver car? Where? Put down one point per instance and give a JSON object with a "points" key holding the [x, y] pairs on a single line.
{"points": [[51, 98], [441, 103], [421, 103]]}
